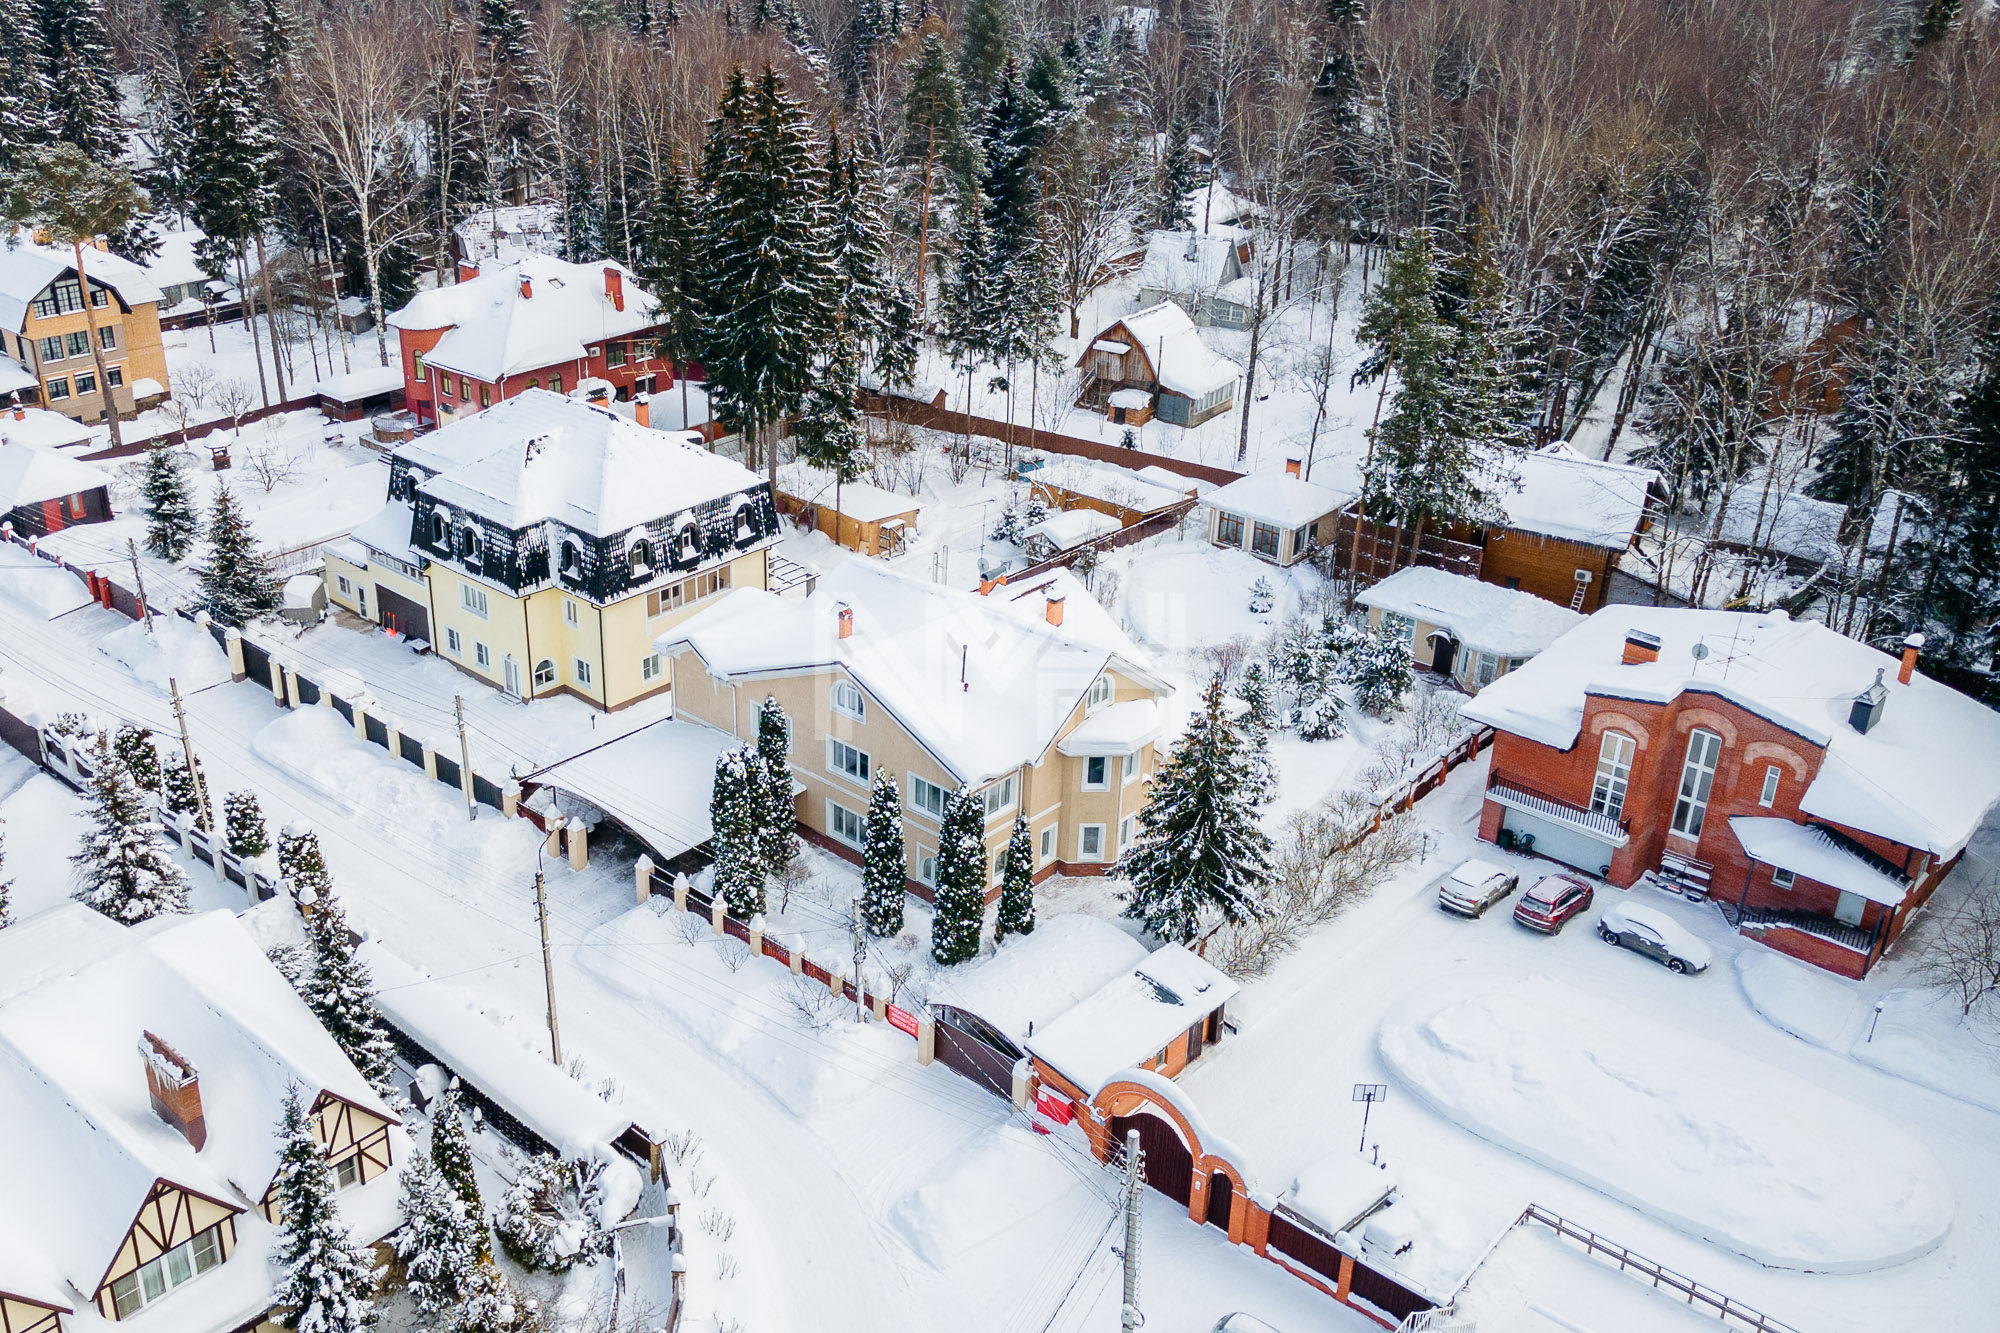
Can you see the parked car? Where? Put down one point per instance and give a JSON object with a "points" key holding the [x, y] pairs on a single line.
{"points": [[1476, 886], [1553, 901], [1655, 934]]}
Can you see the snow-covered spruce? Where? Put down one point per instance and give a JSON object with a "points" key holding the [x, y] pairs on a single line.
{"points": [[439, 1244], [1199, 850], [490, 1304], [453, 1156], [1262, 597], [140, 753], [243, 825], [1254, 690], [1381, 671], [882, 861], [1017, 884], [733, 810], [961, 879], [237, 584], [180, 785], [777, 835], [173, 524], [337, 987], [125, 869], [325, 1285], [542, 1222]]}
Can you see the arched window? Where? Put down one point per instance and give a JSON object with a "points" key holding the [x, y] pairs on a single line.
{"points": [[639, 559], [1101, 691], [468, 543], [1697, 777], [689, 539], [572, 559], [545, 672], [1614, 771], [847, 699], [438, 529]]}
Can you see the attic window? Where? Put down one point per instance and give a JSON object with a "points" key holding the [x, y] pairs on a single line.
{"points": [[690, 539], [746, 521], [639, 560], [468, 542], [438, 529], [572, 559]]}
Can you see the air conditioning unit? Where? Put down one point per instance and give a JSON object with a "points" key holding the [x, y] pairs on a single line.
{"points": [[1583, 576]]}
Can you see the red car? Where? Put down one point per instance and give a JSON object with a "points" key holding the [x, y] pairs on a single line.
{"points": [[1554, 900]]}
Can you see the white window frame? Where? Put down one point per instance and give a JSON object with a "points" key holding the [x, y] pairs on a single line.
{"points": [[1485, 669], [845, 698], [856, 773], [917, 801], [571, 616], [652, 666], [1128, 829], [351, 1164], [345, 589], [1102, 691], [1103, 781], [1046, 851], [553, 673], [836, 816], [926, 867], [453, 644], [1768, 797], [1128, 768], [178, 1266], [1698, 769], [582, 670], [1782, 878], [998, 798], [472, 598], [1614, 774], [1083, 834], [482, 655]]}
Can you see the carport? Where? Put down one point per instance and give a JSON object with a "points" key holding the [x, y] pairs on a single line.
{"points": [[653, 782]]}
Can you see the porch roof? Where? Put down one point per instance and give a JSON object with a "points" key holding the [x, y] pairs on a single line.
{"points": [[1813, 853]]}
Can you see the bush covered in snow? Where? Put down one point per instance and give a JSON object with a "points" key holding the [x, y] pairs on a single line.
{"points": [[544, 1221]]}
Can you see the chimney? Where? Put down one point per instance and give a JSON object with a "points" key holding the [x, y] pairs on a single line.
{"points": [[614, 287], [1867, 708], [1291, 467], [1641, 647], [467, 270], [642, 405], [1911, 647], [20, 412], [527, 287], [1053, 610], [174, 1086], [986, 586], [846, 621]]}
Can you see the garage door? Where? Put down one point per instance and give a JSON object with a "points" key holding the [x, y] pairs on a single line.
{"points": [[1559, 842]]}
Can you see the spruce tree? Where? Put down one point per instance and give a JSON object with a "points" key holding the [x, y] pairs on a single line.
{"points": [[81, 77], [733, 810], [960, 904], [1381, 671], [1199, 849], [181, 786], [1487, 396], [777, 814], [243, 826], [341, 994], [882, 860], [934, 132], [439, 1241], [125, 869], [325, 1284], [1936, 22], [1177, 179], [968, 299], [490, 1305], [172, 523], [231, 153], [1253, 688], [1017, 884], [670, 264], [237, 585], [982, 47], [140, 753], [453, 1156], [25, 91]]}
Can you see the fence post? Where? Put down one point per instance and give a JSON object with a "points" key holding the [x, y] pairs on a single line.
{"points": [[552, 844], [292, 687], [642, 875], [431, 766], [834, 982], [926, 1041], [756, 941], [579, 837], [797, 959], [360, 721], [510, 804], [1021, 1092], [277, 681], [232, 643], [394, 739], [718, 914], [680, 893]]}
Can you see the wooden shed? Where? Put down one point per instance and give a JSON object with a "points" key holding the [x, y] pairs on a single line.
{"points": [[1158, 352], [860, 516], [42, 491]]}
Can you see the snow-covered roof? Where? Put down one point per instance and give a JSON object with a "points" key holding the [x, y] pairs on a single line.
{"points": [[1563, 494], [1119, 729], [42, 428], [1179, 481], [1182, 362], [1215, 205], [1129, 399], [1107, 482], [80, 1144], [388, 532], [1795, 524], [1277, 498], [26, 269], [175, 265], [542, 456], [29, 475], [982, 683], [656, 780], [1339, 1190], [509, 232], [1132, 1017], [1072, 528], [1031, 980], [362, 382], [860, 501], [1805, 850], [15, 377], [1483, 616], [1924, 775], [496, 331], [1186, 262]]}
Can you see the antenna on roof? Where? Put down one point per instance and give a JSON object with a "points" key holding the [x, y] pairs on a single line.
{"points": [[964, 653]]}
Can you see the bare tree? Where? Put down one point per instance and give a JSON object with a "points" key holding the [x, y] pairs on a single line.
{"points": [[1962, 955], [1091, 179]]}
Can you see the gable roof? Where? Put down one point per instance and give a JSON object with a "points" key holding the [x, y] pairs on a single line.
{"points": [[1132, 1017], [1189, 263], [29, 475], [541, 456], [1108, 483], [80, 1146], [1563, 494], [26, 269], [1276, 497], [982, 683], [1182, 363], [1484, 616], [1924, 776], [496, 332]]}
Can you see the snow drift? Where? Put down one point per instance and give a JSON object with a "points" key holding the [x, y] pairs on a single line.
{"points": [[1681, 1128], [172, 648]]}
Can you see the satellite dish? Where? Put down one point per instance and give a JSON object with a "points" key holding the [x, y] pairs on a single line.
{"points": [[1700, 650]]}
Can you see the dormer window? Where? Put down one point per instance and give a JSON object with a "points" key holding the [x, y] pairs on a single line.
{"points": [[1100, 694], [468, 543], [438, 530], [746, 521], [689, 540], [572, 560], [154, 1279], [639, 559]]}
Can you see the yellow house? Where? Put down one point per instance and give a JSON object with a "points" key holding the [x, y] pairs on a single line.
{"points": [[45, 332], [142, 1075], [1030, 696], [543, 544]]}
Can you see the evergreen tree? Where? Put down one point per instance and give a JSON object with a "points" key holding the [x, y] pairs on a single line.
{"points": [[1259, 717], [81, 77], [325, 1284], [1199, 849], [1381, 671], [882, 859], [237, 585], [1340, 77], [439, 1242], [1178, 179], [243, 825], [489, 1304], [140, 753], [968, 299], [341, 994], [982, 47], [182, 786], [25, 91], [1009, 134], [124, 869], [172, 523], [934, 132], [777, 814], [669, 263], [453, 1156], [1936, 23], [1488, 400], [830, 432], [592, 15], [1017, 884], [583, 228], [231, 154], [733, 810], [1262, 597], [960, 902], [541, 1223], [514, 87]]}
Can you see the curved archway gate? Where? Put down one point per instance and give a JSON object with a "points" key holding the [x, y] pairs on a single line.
{"points": [[1169, 1163]]}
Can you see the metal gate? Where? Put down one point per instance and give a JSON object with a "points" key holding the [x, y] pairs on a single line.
{"points": [[1169, 1164], [1221, 1200], [968, 1045]]}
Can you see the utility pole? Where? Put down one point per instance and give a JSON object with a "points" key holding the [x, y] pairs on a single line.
{"points": [[860, 953], [548, 968], [465, 772], [1129, 1318], [187, 752], [145, 611]]}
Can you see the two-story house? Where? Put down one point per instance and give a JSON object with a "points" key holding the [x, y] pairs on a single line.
{"points": [[543, 544], [1816, 788], [1031, 696], [45, 332], [142, 1074], [534, 323]]}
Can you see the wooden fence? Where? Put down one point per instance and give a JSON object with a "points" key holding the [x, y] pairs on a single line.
{"points": [[1165, 521], [202, 430], [1024, 436], [1384, 550]]}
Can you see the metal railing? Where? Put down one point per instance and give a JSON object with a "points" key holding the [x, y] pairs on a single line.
{"points": [[1559, 808], [1806, 923]]}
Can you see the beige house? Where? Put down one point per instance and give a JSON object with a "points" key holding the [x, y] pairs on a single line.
{"points": [[45, 332], [1459, 627], [142, 1074], [543, 544], [1030, 696]]}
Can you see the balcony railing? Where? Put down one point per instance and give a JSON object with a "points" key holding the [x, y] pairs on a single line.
{"points": [[1617, 832], [1806, 923]]}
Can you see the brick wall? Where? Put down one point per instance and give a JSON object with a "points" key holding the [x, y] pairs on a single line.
{"points": [[1546, 566]]}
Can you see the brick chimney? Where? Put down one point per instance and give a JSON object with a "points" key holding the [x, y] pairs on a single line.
{"points": [[1291, 467], [527, 287], [467, 270], [1641, 647], [20, 412], [642, 405], [174, 1085], [1052, 611], [614, 287], [1911, 647], [846, 614]]}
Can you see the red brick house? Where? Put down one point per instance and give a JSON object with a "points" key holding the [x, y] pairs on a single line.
{"points": [[1816, 788], [42, 491], [535, 323]]}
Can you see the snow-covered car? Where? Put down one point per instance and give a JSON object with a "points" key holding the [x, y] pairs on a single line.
{"points": [[1655, 934], [1476, 886], [1552, 901], [1241, 1323]]}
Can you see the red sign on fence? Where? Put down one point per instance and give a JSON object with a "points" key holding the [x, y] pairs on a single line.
{"points": [[1055, 1106], [897, 1018]]}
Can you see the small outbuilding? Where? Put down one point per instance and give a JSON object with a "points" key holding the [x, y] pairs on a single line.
{"points": [[1459, 627], [1066, 531], [860, 516], [1275, 516], [1069, 482], [42, 491], [362, 393], [1158, 1017]]}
